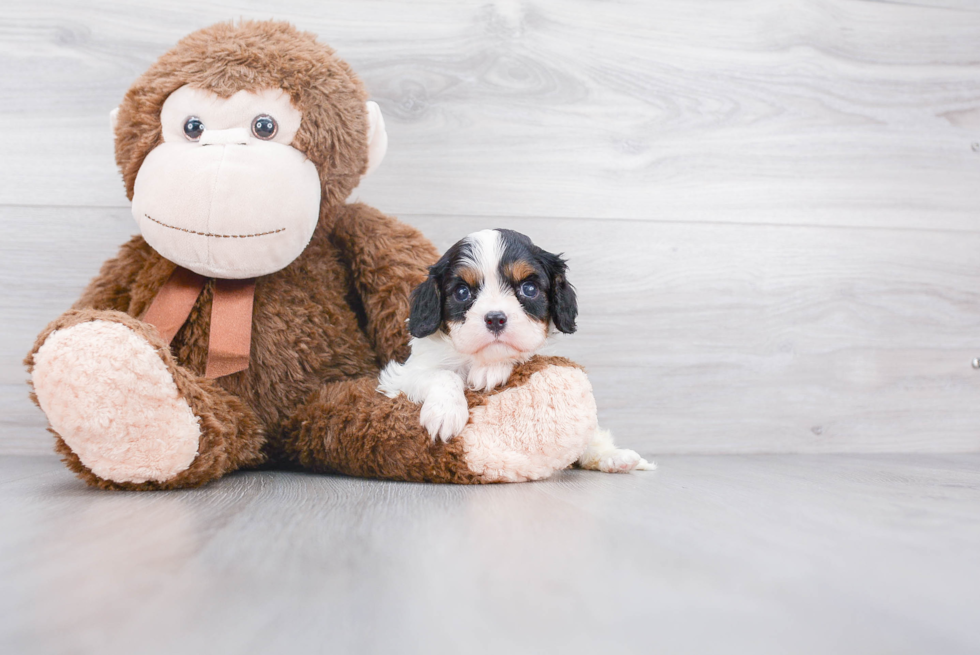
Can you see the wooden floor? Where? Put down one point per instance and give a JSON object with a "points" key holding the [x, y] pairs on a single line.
{"points": [[708, 554]]}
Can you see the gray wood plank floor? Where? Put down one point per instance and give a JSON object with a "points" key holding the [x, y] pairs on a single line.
{"points": [[708, 554]]}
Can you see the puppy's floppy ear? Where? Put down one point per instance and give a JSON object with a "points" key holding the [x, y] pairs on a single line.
{"points": [[426, 312], [561, 294], [425, 316]]}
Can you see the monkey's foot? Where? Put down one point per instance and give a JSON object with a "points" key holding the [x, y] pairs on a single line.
{"points": [[528, 432], [113, 401]]}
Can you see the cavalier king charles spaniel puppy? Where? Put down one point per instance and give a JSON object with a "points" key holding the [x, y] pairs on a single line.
{"points": [[489, 303]]}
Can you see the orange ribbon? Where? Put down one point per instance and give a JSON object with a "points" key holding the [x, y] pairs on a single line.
{"points": [[231, 317]]}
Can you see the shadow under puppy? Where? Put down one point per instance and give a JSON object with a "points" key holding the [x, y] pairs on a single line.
{"points": [[489, 303]]}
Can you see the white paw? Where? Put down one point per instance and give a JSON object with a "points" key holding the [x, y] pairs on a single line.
{"points": [[444, 414], [621, 460]]}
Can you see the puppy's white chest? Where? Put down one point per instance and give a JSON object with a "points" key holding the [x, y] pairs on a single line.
{"points": [[491, 376]]}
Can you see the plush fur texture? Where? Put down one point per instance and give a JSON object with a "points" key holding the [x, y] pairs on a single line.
{"points": [[230, 204], [229, 57], [545, 431], [321, 327], [353, 429], [110, 394], [335, 313], [231, 436]]}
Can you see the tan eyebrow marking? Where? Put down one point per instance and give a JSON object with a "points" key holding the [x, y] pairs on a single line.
{"points": [[470, 275], [220, 236], [518, 270]]}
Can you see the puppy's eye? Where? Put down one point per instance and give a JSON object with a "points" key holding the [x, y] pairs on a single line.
{"points": [[264, 127], [529, 290], [461, 293], [193, 128]]}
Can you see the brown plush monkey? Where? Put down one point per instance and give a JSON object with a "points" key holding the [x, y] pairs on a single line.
{"points": [[247, 325]]}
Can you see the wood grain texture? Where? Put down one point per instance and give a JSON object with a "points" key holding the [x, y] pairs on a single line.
{"points": [[698, 338], [813, 112], [770, 208], [725, 554]]}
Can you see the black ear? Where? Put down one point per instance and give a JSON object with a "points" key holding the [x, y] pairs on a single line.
{"points": [[561, 294], [426, 313]]}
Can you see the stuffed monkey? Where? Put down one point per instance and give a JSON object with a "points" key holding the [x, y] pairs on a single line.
{"points": [[247, 323]]}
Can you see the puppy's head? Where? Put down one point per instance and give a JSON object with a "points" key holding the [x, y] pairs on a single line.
{"points": [[494, 293]]}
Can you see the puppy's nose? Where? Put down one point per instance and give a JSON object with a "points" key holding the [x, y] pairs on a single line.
{"points": [[496, 321]]}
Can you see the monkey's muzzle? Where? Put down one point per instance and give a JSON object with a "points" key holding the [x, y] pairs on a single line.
{"points": [[230, 206]]}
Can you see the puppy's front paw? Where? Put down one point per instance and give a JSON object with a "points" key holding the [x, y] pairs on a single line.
{"points": [[444, 414]]}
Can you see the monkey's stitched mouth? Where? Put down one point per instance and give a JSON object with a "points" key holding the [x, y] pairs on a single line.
{"points": [[219, 236]]}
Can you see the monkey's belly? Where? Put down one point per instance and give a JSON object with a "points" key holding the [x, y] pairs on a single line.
{"points": [[288, 363]]}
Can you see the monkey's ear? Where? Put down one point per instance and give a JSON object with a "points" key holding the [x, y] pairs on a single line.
{"points": [[377, 137], [426, 313], [113, 119]]}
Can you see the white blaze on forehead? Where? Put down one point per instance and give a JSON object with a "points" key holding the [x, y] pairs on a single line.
{"points": [[486, 250], [494, 294]]}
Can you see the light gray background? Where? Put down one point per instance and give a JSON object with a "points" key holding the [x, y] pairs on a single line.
{"points": [[770, 209]]}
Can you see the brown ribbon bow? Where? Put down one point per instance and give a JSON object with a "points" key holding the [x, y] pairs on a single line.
{"points": [[231, 317]]}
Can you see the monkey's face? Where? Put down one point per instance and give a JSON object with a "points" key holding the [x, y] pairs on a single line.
{"points": [[226, 194]]}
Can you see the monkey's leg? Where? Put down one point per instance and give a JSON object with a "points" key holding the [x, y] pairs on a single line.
{"points": [[126, 416], [540, 422]]}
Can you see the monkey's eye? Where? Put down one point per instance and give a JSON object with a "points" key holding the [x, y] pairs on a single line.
{"points": [[461, 293], [529, 290], [193, 128], [264, 127]]}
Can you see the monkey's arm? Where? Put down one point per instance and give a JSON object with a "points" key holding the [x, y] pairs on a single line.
{"points": [[387, 260], [539, 422], [111, 288]]}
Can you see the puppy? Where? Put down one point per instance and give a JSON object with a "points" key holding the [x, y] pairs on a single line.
{"points": [[489, 303]]}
